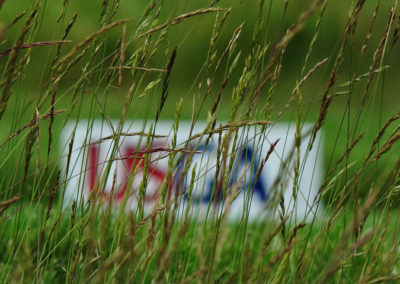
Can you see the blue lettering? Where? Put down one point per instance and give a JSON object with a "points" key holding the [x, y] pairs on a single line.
{"points": [[245, 160]]}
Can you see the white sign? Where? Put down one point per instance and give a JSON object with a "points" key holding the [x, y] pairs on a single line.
{"points": [[250, 184]]}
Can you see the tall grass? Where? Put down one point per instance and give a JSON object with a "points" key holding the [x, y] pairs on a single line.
{"points": [[255, 68]]}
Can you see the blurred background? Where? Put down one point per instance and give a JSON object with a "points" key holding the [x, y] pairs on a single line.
{"points": [[192, 38]]}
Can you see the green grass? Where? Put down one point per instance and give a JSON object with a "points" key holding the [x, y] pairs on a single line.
{"points": [[316, 71]]}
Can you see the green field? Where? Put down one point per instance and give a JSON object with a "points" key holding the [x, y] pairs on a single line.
{"points": [[334, 64]]}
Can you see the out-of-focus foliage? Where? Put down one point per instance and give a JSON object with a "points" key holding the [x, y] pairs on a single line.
{"points": [[192, 36]]}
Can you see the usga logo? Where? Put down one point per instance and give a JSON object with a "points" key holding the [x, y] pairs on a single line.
{"points": [[130, 161], [97, 167]]}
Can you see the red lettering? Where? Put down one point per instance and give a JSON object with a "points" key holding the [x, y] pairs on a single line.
{"points": [[133, 161]]}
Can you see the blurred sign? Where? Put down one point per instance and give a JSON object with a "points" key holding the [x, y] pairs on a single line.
{"points": [[110, 172]]}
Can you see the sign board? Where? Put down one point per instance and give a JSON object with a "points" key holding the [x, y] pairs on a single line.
{"points": [[108, 171]]}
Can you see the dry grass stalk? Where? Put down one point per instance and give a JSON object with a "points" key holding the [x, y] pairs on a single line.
{"points": [[156, 70], [60, 65], [396, 33], [39, 241], [339, 263], [339, 260], [216, 32], [30, 124], [345, 155], [229, 126], [282, 45], [70, 147], [157, 235], [179, 19], [377, 59], [37, 134], [52, 115], [62, 11], [64, 36], [122, 56], [386, 147], [16, 19], [128, 134], [227, 50], [385, 226], [12, 71], [300, 83], [368, 36], [315, 37], [5, 204], [390, 279], [164, 92], [54, 81], [52, 194], [270, 151], [210, 60], [270, 266], [32, 45], [380, 135], [328, 96], [223, 85]]}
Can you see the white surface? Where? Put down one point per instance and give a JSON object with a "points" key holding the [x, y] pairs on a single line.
{"points": [[310, 170]]}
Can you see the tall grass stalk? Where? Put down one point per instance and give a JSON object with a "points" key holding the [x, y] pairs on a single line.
{"points": [[261, 62]]}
